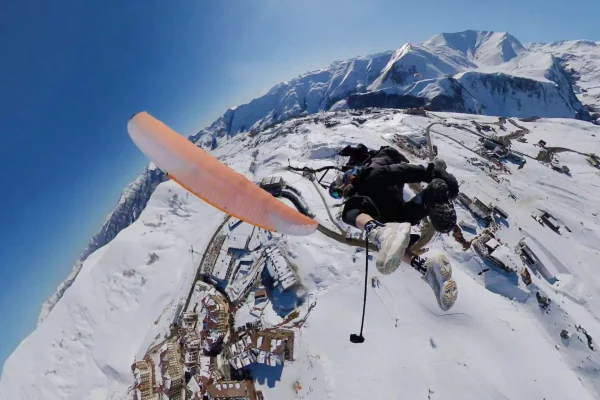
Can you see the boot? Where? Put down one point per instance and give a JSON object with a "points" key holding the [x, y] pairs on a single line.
{"points": [[438, 273], [392, 240]]}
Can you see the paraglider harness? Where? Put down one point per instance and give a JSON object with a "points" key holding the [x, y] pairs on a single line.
{"points": [[311, 174], [335, 190]]}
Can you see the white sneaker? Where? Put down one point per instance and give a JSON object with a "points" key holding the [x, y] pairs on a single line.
{"points": [[439, 277], [391, 239]]}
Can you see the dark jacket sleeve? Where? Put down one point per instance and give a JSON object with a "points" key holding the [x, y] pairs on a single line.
{"points": [[384, 176], [358, 154]]}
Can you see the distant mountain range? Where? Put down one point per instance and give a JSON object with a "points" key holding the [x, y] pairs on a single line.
{"points": [[476, 72]]}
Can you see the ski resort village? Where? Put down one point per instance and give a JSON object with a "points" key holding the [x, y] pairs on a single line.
{"points": [[248, 314], [182, 301], [225, 333]]}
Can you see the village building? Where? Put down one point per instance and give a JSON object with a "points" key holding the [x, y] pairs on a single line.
{"points": [[468, 225], [500, 212], [490, 249], [415, 111], [270, 347], [172, 372], [217, 307], [144, 381], [417, 141], [260, 296], [537, 260], [232, 390], [550, 221], [192, 345], [593, 161], [476, 207], [279, 269], [188, 320]]}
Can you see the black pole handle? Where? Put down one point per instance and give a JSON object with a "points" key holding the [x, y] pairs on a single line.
{"points": [[354, 338]]}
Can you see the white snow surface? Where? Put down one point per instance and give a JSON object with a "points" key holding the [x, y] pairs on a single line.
{"points": [[583, 57], [496, 343], [483, 47]]}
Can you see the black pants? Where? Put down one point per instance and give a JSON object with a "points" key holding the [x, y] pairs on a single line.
{"points": [[411, 211]]}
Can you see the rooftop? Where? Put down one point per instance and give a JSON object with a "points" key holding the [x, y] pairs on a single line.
{"points": [[228, 390]]}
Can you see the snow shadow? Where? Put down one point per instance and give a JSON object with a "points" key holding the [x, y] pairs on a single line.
{"points": [[219, 283], [324, 152], [504, 283], [509, 160], [266, 375], [503, 221], [283, 301]]}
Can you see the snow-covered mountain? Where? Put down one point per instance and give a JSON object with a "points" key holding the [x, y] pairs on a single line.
{"points": [[307, 94], [481, 47], [435, 75], [581, 59], [498, 342], [471, 72], [131, 204]]}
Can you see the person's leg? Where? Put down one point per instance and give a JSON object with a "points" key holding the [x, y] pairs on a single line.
{"points": [[358, 210], [362, 220], [390, 238]]}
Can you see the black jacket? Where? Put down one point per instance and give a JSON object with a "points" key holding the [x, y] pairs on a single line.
{"points": [[382, 177]]}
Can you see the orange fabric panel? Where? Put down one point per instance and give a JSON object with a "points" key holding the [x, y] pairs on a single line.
{"points": [[212, 181]]}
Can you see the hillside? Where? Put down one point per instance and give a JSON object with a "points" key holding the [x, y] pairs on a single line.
{"points": [[497, 342]]}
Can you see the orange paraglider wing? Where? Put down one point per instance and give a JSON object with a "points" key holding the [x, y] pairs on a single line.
{"points": [[212, 181]]}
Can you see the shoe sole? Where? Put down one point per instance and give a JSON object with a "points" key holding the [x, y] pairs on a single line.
{"points": [[448, 295], [446, 267], [401, 243]]}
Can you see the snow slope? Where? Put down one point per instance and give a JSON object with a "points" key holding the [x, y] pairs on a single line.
{"points": [[132, 202], [496, 343], [482, 47], [582, 59], [119, 303], [307, 94]]}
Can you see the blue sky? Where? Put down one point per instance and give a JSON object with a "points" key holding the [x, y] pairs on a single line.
{"points": [[72, 72]]}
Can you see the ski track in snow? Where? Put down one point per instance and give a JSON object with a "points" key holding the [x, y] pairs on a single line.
{"points": [[496, 343]]}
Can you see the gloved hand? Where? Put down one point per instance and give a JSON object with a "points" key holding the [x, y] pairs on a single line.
{"points": [[350, 175], [348, 191], [437, 169], [350, 180], [346, 151]]}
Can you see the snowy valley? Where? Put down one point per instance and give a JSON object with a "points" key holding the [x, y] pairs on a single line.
{"points": [[501, 340], [170, 280]]}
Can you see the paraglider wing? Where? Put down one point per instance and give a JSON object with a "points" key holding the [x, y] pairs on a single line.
{"points": [[213, 181]]}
